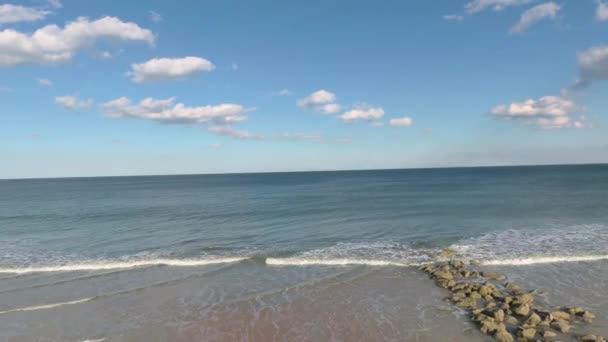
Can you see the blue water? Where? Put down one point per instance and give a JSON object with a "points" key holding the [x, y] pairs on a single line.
{"points": [[312, 220]]}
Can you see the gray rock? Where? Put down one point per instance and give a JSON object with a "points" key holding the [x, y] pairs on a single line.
{"points": [[533, 320], [521, 310], [561, 326], [493, 276]]}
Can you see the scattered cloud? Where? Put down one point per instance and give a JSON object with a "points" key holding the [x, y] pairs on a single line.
{"points": [[167, 111], [232, 132], [44, 82], [105, 55], [548, 10], [70, 102], [362, 113], [55, 4], [215, 145], [547, 112], [592, 66], [234, 67], [283, 92], [602, 11], [321, 101], [477, 6], [10, 14], [52, 44], [6, 90], [299, 136], [165, 69], [453, 17], [401, 122], [154, 16]]}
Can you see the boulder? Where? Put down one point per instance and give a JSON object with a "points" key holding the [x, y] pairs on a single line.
{"points": [[443, 275], [468, 303], [575, 310], [561, 326], [589, 338], [457, 263], [445, 283], [527, 333], [586, 316], [447, 253], [549, 335], [544, 315], [514, 288], [560, 315], [489, 327], [521, 310], [428, 268], [525, 298], [533, 320], [474, 263], [503, 336], [511, 320]]}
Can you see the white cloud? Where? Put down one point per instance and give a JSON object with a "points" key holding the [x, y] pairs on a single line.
{"points": [[547, 112], [69, 102], [234, 67], [10, 14], [329, 108], [283, 92], [166, 110], [299, 136], [55, 4], [163, 69], [476, 6], [362, 113], [401, 122], [602, 11], [215, 145], [548, 10], [233, 132], [592, 66], [453, 17], [321, 101], [44, 82], [155, 16], [6, 90], [52, 44]]}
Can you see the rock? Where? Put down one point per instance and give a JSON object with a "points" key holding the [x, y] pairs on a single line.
{"points": [[443, 275], [490, 305], [533, 320], [575, 310], [499, 315], [549, 335], [560, 315], [527, 333], [521, 310], [474, 263], [561, 326], [587, 316], [445, 268], [544, 315], [514, 288], [445, 283], [589, 338], [493, 276], [525, 298], [475, 295], [489, 327], [457, 263], [447, 253], [503, 336], [468, 303], [511, 320], [508, 300], [457, 297], [474, 274], [428, 268]]}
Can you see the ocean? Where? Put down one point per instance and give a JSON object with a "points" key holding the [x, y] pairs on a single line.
{"points": [[303, 256]]}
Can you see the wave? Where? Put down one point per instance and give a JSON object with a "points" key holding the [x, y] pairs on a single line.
{"points": [[48, 306], [97, 266], [333, 262], [544, 260]]}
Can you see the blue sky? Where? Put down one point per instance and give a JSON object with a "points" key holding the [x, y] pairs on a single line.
{"points": [[150, 87]]}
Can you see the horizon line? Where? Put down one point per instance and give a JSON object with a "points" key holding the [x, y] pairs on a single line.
{"points": [[308, 171]]}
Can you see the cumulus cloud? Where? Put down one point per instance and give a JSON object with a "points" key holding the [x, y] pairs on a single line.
{"points": [[401, 122], [321, 101], [44, 82], [548, 10], [52, 44], [602, 11], [155, 16], [234, 133], [592, 66], [362, 113], [70, 102], [547, 112], [164, 69], [167, 111], [10, 14], [476, 6]]}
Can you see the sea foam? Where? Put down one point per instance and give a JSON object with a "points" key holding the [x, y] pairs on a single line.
{"points": [[96, 266], [47, 306], [331, 262], [544, 260]]}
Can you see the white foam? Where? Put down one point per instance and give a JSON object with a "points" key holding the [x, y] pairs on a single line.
{"points": [[544, 260], [96, 266], [331, 262], [47, 306]]}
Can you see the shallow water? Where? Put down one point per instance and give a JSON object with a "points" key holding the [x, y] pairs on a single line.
{"points": [[295, 256]]}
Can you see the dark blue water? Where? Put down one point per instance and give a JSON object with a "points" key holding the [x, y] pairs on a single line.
{"points": [[159, 228]]}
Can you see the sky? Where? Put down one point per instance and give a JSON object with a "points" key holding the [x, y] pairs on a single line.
{"points": [[111, 88]]}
